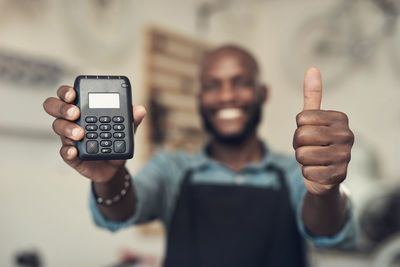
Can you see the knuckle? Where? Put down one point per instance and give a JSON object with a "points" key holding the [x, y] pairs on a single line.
{"points": [[300, 155], [58, 127], [346, 156], [307, 172], [348, 137], [46, 103], [343, 172], [63, 109], [301, 133], [54, 124], [340, 116], [301, 118], [340, 174], [62, 152], [296, 135]]}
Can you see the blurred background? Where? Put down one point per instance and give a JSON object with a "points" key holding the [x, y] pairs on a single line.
{"points": [[44, 207]]}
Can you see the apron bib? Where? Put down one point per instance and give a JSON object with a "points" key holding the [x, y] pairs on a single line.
{"points": [[225, 225]]}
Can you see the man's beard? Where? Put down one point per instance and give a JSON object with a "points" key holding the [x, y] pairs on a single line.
{"points": [[249, 129]]}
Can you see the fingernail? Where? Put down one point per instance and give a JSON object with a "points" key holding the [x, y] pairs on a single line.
{"points": [[70, 153], [71, 112], [68, 95], [76, 132]]}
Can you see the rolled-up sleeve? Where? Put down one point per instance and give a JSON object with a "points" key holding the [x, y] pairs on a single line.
{"points": [[345, 238]]}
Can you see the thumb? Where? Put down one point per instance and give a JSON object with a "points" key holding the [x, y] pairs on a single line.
{"points": [[138, 114], [312, 89]]}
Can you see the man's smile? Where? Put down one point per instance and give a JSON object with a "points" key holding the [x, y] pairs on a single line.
{"points": [[229, 113]]}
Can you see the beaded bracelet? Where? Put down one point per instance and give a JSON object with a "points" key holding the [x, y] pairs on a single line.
{"points": [[116, 198]]}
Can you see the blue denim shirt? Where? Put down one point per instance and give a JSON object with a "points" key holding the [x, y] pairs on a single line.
{"points": [[157, 186]]}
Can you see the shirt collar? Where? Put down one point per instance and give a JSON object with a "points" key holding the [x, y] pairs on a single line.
{"points": [[202, 160]]}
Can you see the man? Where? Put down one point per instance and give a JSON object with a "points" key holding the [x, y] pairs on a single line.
{"points": [[235, 203]]}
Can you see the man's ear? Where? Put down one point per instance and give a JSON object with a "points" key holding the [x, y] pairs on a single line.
{"points": [[263, 93]]}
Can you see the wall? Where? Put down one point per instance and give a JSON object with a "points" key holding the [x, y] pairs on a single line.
{"points": [[43, 203]]}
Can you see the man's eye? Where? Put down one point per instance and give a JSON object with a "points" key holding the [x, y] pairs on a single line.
{"points": [[210, 86], [243, 83]]}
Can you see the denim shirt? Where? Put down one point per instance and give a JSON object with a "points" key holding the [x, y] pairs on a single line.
{"points": [[157, 187]]}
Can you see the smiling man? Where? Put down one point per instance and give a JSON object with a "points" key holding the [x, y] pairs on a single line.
{"points": [[236, 202]]}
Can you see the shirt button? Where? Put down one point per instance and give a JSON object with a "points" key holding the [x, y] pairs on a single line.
{"points": [[239, 179]]}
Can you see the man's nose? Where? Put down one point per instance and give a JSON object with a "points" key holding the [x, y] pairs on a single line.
{"points": [[226, 93]]}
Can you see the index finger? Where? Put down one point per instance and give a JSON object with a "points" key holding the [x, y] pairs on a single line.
{"points": [[59, 109], [312, 89], [66, 93]]}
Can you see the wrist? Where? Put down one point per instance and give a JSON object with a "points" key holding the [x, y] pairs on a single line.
{"points": [[326, 192], [112, 191], [117, 176], [333, 197]]}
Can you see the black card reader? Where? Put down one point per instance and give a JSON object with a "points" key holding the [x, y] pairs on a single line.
{"points": [[106, 116]]}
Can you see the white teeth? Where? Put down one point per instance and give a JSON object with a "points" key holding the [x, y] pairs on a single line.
{"points": [[229, 113]]}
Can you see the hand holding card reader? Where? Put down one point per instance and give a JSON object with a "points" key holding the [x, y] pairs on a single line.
{"points": [[106, 116]]}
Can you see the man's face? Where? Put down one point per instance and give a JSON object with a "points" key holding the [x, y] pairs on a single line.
{"points": [[230, 102]]}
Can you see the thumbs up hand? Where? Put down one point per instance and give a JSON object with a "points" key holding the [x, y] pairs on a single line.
{"points": [[322, 140]]}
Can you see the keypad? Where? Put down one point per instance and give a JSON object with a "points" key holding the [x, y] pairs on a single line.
{"points": [[105, 134]]}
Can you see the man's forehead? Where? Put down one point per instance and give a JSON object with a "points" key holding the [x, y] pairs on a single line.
{"points": [[229, 56]]}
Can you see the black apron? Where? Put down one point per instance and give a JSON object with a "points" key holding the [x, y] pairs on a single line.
{"points": [[229, 225]]}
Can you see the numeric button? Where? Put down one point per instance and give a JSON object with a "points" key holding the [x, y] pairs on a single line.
{"points": [[118, 119], [118, 127], [105, 135], [105, 143], [91, 119], [119, 135], [104, 119], [105, 127], [91, 127], [91, 135]]}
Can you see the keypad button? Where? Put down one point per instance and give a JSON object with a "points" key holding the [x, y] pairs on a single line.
{"points": [[105, 135], [119, 146], [106, 150], [92, 147], [118, 119], [91, 135], [105, 127], [105, 143], [119, 135], [91, 119], [105, 119], [118, 127], [91, 127]]}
